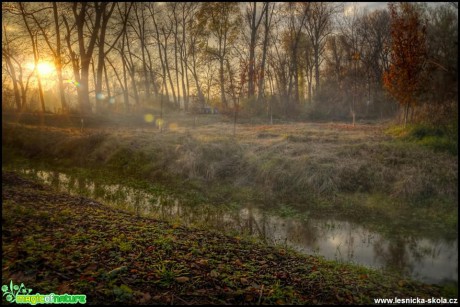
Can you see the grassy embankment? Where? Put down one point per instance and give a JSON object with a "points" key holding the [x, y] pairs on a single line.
{"points": [[379, 177], [56, 243]]}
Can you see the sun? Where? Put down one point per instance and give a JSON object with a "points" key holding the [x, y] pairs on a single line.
{"points": [[44, 68]]}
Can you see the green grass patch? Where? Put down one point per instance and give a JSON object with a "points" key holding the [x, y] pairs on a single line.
{"points": [[436, 138]]}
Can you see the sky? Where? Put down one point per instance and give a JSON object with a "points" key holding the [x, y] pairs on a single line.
{"points": [[370, 5], [379, 5]]}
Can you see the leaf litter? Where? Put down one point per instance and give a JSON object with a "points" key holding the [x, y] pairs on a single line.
{"points": [[61, 243]]}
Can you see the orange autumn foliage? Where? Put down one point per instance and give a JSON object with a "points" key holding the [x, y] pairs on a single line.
{"points": [[403, 80]]}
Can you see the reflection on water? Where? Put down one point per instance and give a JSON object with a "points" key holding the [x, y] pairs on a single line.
{"points": [[421, 258]]}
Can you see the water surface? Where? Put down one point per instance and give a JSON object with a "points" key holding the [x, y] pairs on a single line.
{"points": [[424, 259]]}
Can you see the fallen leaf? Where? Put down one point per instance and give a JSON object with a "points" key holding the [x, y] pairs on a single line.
{"points": [[182, 279], [248, 298], [150, 248], [202, 262], [255, 286], [91, 268], [146, 297], [64, 287], [214, 273]]}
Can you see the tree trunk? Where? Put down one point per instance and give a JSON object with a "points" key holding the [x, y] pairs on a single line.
{"points": [[39, 79], [176, 62], [142, 38], [406, 114], [251, 63], [160, 53], [183, 58], [34, 40], [107, 85], [221, 79], [264, 53], [83, 90], [316, 68], [254, 25], [86, 52], [168, 72], [100, 67], [120, 82], [17, 97], [152, 74], [102, 54], [125, 81], [57, 61]]}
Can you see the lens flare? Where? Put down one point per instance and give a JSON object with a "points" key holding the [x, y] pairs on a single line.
{"points": [[173, 127], [100, 96], [148, 118], [77, 84], [160, 122]]}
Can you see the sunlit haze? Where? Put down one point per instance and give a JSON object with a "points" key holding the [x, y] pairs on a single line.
{"points": [[44, 68]]}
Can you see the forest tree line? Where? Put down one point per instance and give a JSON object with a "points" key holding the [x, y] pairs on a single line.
{"points": [[287, 60]]}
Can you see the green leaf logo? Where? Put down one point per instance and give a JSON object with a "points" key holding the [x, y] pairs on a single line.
{"points": [[14, 290]]}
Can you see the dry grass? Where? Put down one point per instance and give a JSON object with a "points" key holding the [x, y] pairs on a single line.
{"points": [[300, 161]]}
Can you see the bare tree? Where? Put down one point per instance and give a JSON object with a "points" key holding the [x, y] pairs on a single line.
{"points": [[139, 26], [318, 27], [298, 15], [221, 20], [196, 39], [254, 22], [278, 59], [353, 41], [158, 27], [105, 16], [33, 34], [87, 15], [306, 63], [7, 55], [188, 11], [56, 50], [16, 70], [268, 14]]}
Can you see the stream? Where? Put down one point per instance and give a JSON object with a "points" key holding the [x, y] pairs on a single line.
{"points": [[426, 260]]}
